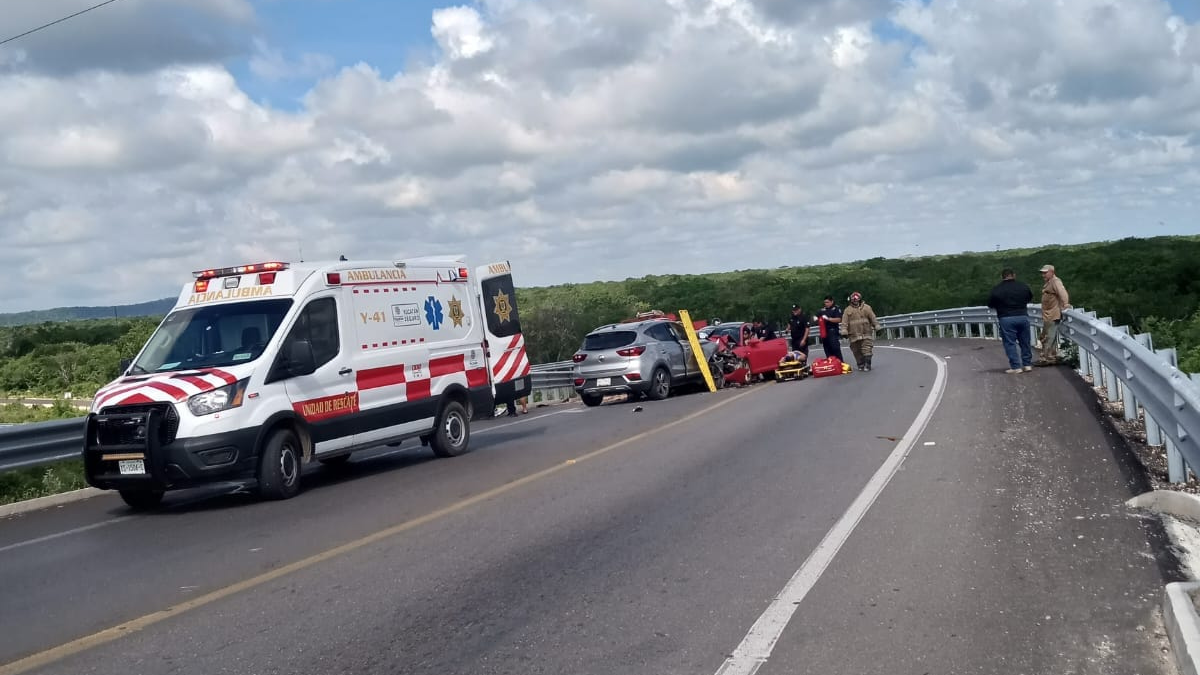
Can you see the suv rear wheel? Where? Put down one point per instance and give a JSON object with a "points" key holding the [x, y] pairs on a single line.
{"points": [[660, 384], [592, 400]]}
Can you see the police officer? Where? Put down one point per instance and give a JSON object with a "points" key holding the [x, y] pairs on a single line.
{"points": [[832, 342], [763, 331], [798, 325]]}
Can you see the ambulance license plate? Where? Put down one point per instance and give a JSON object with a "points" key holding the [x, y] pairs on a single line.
{"points": [[603, 381], [132, 466]]}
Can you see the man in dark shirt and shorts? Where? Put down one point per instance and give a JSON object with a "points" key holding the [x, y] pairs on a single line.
{"points": [[798, 326], [832, 342], [1010, 298]]}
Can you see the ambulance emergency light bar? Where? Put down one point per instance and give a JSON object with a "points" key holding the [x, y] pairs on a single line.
{"points": [[266, 275], [244, 269]]}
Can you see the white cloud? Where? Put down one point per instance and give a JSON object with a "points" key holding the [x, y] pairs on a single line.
{"points": [[549, 132], [460, 32], [271, 64]]}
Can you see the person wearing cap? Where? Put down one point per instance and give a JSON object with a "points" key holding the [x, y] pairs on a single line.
{"points": [[830, 317], [1010, 298], [861, 326], [1054, 301], [798, 327], [763, 331]]}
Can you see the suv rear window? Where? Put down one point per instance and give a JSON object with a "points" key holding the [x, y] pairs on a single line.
{"points": [[611, 340]]}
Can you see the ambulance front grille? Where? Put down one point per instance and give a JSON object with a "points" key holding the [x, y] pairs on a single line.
{"points": [[170, 423]]}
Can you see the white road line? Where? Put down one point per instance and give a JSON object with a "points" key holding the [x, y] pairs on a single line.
{"points": [[758, 644], [56, 535]]}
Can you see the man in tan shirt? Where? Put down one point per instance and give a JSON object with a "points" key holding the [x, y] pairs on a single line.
{"points": [[1054, 301]]}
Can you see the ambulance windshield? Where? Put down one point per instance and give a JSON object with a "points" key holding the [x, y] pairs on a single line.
{"points": [[213, 336]]}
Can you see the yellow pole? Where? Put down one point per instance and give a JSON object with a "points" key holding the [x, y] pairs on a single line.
{"points": [[688, 327]]}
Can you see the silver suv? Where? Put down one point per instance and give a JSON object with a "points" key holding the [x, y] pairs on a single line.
{"points": [[648, 357]]}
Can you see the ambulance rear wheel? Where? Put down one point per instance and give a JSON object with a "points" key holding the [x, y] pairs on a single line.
{"points": [[453, 431], [142, 500], [279, 466]]}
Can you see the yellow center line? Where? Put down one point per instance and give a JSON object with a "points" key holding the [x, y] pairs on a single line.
{"points": [[109, 634]]}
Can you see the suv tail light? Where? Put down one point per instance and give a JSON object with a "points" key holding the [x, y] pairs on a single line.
{"points": [[578, 358], [632, 351], [579, 381]]}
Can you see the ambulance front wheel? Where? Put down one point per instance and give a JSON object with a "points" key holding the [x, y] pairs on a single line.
{"points": [[279, 466], [453, 431]]}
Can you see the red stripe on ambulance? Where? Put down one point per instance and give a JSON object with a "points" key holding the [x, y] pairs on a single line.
{"points": [[174, 392], [418, 389], [229, 379], [374, 378], [447, 365]]}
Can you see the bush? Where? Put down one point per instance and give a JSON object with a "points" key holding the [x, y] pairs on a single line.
{"points": [[41, 481]]}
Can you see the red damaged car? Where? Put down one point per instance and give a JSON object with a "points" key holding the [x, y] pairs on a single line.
{"points": [[756, 357]]}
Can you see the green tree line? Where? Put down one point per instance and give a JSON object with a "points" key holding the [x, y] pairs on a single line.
{"points": [[1149, 284]]}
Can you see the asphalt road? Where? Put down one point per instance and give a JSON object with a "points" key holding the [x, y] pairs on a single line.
{"points": [[705, 533]]}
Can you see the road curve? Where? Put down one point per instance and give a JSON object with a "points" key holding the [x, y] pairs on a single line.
{"points": [[572, 540]]}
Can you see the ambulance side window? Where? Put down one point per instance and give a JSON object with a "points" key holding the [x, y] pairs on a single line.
{"points": [[323, 325], [317, 323]]}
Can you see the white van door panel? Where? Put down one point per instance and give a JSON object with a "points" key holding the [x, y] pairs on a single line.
{"points": [[328, 398]]}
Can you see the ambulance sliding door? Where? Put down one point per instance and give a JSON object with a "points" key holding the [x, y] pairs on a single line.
{"points": [[508, 360], [391, 341]]}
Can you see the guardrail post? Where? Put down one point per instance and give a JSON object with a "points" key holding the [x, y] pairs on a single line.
{"points": [[929, 332], [941, 330], [1106, 375], [1176, 469], [1117, 387], [1146, 341]]}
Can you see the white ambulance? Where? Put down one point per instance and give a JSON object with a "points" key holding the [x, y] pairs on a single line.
{"points": [[262, 368]]}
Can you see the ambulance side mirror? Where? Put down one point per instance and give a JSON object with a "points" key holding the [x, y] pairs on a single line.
{"points": [[300, 358], [124, 366]]}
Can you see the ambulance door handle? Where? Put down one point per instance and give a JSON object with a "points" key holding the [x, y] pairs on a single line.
{"points": [[345, 371]]}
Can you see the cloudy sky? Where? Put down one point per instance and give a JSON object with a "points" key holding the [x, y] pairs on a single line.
{"points": [[581, 139]]}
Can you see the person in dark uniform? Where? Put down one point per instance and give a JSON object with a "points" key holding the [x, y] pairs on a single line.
{"points": [[763, 331], [798, 325], [832, 342]]}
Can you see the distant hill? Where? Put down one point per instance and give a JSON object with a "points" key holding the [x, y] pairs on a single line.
{"points": [[152, 308]]}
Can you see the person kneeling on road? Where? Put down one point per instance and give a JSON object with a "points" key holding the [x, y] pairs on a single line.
{"points": [[861, 326]]}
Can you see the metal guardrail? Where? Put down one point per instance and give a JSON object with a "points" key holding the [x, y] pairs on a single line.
{"points": [[553, 381], [1125, 365], [1146, 381], [23, 445]]}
